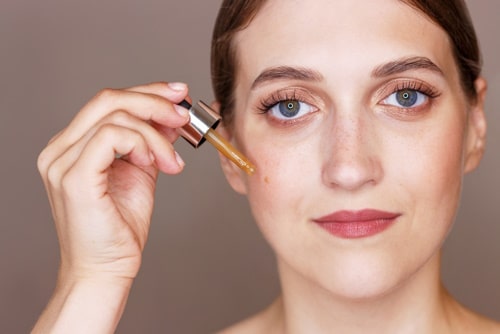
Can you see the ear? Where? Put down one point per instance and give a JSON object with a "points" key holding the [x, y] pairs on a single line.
{"points": [[233, 173], [476, 131]]}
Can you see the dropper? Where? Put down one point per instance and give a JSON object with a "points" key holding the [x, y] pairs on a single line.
{"points": [[201, 126]]}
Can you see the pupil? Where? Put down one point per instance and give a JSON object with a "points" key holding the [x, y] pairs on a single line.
{"points": [[407, 98], [289, 108]]}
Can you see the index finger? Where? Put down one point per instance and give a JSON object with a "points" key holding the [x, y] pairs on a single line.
{"points": [[143, 102]]}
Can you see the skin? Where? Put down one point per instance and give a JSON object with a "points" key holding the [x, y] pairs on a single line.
{"points": [[102, 206], [356, 150]]}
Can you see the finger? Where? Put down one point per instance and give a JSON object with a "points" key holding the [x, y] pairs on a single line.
{"points": [[145, 106], [170, 134], [160, 148], [172, 91], [58, 171], [159, 89], [96, 158], [59, 168], [63, 164]]}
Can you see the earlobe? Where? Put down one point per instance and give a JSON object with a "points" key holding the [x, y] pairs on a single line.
{"points": [[233, 173], [476, 132]]}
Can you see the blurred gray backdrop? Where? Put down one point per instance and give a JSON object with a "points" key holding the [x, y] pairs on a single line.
{"points": [[204, 268]]}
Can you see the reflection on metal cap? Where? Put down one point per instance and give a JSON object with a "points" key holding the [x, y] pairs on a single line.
{"points": [[202, 118]]}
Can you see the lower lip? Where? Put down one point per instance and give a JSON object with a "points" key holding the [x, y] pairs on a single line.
{"points": [[357, 229]]}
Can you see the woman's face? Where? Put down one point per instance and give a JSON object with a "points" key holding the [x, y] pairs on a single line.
{"points": [[354, 115]]}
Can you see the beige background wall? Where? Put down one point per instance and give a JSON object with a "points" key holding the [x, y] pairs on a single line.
{"points": [[205, 265]]}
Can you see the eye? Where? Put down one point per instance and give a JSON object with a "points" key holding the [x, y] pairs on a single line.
{"points": [[288, 106], [406, 98], [290, 109]]}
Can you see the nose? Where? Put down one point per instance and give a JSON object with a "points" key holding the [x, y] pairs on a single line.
{"points": [[352, 159]]}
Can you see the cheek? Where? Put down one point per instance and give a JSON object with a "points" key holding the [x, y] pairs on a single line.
{"points": [[270, 185], [279, 190], [431, 175]]}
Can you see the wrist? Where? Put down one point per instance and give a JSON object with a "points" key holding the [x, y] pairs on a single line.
{"points": [[95, 281], [69, 275], [92, 304]]}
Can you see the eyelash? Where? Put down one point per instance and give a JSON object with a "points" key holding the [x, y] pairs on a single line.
{"points": [[266, 104], [429, 93], [296, 94], [417, 86]]}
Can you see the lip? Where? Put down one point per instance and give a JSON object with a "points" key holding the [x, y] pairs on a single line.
{"points": [[357, 224]]}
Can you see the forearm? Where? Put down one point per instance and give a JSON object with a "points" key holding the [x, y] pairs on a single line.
{"points": [[88, 306]]}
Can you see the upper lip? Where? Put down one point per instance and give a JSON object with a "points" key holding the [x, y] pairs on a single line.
{"points": [[350, 216]]}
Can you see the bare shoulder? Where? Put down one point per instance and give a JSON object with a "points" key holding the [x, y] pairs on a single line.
{"points": [[486, 326], [266, 321], [472, 322]]}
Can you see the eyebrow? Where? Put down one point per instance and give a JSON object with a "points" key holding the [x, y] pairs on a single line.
{"points": [[405, 64], [305, 74], [287, 73]]}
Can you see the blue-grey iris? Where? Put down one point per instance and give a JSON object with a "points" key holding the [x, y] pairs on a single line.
{"points": [[407, 97], [289, 108]]}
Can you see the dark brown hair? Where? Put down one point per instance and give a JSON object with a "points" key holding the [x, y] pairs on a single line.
{"points": [[235, 15]]}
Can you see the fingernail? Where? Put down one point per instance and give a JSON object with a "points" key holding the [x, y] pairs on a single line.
{"points": [[181, 111], [177, 86], [179, 159]]}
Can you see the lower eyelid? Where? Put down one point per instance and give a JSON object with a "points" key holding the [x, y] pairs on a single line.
{"points": [[406, 114], [292, 122]]}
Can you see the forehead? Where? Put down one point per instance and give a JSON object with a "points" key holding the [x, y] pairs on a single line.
{"points": [[338, 34]]}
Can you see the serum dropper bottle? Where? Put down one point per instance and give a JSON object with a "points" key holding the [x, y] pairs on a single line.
{"points": [[201, 127]]}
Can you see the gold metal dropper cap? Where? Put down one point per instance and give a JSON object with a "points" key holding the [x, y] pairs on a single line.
{"points": [[201, 119], [201, 126]]}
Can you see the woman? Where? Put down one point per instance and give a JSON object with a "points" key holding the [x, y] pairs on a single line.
{"points": [[361, 118]]}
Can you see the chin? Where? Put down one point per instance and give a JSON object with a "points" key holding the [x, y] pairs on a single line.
{"points": [[363, 288], [362, 282], [356, 277]]}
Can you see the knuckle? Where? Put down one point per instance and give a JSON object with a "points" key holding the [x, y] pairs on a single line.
{"points": [[110, 134], [44, 157], [68, 183], [57, 135], [120, 117], [42, 162], [54, 174], [107, 132], [106, 94]]}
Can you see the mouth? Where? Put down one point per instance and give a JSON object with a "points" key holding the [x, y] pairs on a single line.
{"points": [[356, 224]]}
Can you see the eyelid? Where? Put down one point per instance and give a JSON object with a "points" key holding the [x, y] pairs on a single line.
{"points": [[299, 94], [421, 99], [407, 83], [406, 113], [289, 93]]}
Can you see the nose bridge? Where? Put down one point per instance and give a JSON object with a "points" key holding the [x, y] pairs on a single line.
{"points": [[352, 160]]}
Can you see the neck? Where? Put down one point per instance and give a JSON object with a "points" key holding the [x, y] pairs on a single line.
{"points": [[418, 305]]}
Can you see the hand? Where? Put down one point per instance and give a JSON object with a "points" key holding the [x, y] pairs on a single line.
{"points": [[101, 205]]}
